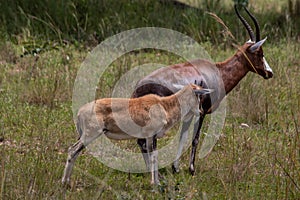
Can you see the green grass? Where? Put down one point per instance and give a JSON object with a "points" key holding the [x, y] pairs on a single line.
{"points": [[36, 126], [92, 21], [260, 162]]}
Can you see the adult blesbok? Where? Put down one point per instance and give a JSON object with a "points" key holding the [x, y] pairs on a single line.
{"points": [[220, 76]]}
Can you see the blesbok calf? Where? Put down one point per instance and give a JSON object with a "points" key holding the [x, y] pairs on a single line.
{"points": [[222, 77], [154, 115]]}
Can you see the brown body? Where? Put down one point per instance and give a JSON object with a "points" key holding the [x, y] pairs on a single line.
{"points": [[139, 109], [147, 117], [222, 77]]}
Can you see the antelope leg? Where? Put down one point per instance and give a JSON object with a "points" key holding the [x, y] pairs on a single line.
{"points": [[155, 161], [182, 140], [73, 152], [143, 147], [197, 130], [151, 144]]}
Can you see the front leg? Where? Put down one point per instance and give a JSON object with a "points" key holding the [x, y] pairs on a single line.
{"points": [[182, 140], [197, 129], [151, 144]]}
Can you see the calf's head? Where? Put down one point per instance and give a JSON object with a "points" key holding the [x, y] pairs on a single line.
{"points": [[199, 93]]}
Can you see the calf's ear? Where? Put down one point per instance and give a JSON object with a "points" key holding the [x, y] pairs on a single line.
{"points": [[203, 91]]}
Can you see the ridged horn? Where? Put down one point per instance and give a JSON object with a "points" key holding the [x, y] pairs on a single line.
{"points": [[257, 29], [245, 23]]}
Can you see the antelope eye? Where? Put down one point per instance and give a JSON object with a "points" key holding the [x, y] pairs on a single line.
{"points": [[259, 53]]}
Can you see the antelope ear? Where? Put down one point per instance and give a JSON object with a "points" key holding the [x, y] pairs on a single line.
{"points": [[203, 91], [256, 46]]}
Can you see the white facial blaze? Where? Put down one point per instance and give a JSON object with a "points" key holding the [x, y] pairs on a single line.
{"points": [[267, 67]]}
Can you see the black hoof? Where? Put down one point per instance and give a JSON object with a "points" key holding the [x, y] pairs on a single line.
{"points": [[160, 176], [66, 185], [192, 170], [175, 169]]}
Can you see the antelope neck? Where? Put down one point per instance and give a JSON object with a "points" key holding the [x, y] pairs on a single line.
{"points": [[176, 102], [233, 70]]}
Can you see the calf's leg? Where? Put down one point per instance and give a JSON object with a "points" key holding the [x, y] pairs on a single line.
{"points": [[182, 139], [72, 155], [151, 144]]}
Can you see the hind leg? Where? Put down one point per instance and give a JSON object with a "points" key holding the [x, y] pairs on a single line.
{"points": [[143, 146], [151, 144], [73, 152]]}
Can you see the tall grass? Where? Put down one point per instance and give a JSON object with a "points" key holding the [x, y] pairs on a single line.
{"points": [[80, 20]]}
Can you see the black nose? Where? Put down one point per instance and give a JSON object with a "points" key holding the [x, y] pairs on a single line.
{"points": [[268, 75]]}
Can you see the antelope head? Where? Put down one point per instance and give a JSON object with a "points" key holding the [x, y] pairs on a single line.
{"points": [[252, 49], [194, 99]]}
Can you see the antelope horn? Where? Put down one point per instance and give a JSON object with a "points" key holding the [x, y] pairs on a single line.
{"points": [[201, 83], [257, 29], [245, 23]]}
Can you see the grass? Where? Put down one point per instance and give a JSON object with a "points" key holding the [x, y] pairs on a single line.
{"points": [[95, 21], [259, 162], [37, 74]]}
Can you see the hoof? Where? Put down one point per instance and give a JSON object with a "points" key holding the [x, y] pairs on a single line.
{"points": [[160, 176], [155, 183], [66, 183], [192, 170], [175, 169]]}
